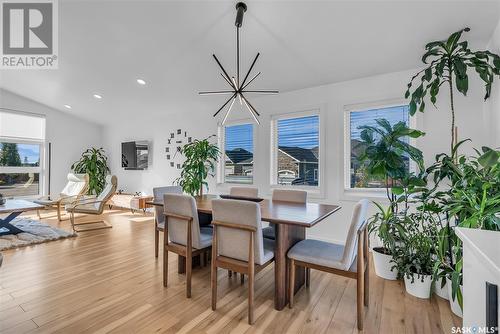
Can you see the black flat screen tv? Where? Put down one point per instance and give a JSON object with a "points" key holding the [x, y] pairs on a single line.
{"points": [[135, 155]]}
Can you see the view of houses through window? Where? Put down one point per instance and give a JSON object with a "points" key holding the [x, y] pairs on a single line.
{"points": [[21, 147], [358, 177], [298, 151], [238, 146]]}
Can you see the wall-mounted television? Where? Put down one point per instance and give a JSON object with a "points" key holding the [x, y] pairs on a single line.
{"points": [[135, 155]]}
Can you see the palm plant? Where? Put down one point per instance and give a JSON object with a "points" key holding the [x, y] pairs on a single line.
{"points": [[449, 61], [201, 158], [94, 163]]}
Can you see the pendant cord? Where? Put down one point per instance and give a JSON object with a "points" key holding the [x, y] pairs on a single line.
{"points": [[238, 57]]}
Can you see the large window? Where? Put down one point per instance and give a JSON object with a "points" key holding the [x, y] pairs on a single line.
{"points": [[238, 157], [357, 175], [22, 139], [296, 151]]}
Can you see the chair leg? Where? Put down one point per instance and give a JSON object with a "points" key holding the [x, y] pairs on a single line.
{"points": [[359, 301], [242, 277], [291, 282], [229, 273], [251, 284], [213, 280], [157, 241], [165, 258], [72, 219], [189, 268], [38, 214], [308, 277], [202, 259], [367, 286], [59, 211]]}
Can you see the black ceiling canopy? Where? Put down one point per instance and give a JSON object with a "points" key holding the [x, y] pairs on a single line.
{"points": [[237, 89]]}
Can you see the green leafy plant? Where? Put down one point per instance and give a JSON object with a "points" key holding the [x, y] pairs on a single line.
{"points": [[448, 61], [387, 155], [94, 163], [201, 158]]}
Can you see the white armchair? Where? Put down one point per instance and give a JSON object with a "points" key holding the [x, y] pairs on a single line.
{"points": [[93, 206], [75, 188]]}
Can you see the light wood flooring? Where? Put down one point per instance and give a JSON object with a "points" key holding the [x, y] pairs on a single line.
{"points": [[109, 281]]}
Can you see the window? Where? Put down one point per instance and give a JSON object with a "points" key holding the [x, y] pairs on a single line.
{"points": [[356, 175], [22, 139], [296, 151], [238, 157]]}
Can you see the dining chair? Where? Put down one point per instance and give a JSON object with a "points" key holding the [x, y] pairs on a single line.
{"points": [[159, 215], [187, 239], [238, 244], [349, 260], [293, 196], [244, 191]]}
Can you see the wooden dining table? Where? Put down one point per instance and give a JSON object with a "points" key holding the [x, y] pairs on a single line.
{"points": [[291, 221]]}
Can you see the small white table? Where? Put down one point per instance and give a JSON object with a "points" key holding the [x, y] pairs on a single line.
{"points": [[14, 207]]}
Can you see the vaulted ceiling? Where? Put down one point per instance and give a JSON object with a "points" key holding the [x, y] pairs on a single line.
{"points": [[105, 46]]}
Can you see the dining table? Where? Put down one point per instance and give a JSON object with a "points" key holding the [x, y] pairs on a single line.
{"points": [[291, 221]]}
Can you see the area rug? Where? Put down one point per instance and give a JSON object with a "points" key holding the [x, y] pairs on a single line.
{"points": [[35, 232]]}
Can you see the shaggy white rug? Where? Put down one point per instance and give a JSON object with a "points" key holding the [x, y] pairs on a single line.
{"points": [[35, 232]]}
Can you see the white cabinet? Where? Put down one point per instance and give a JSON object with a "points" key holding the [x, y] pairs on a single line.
{"points": [[481, 265]]}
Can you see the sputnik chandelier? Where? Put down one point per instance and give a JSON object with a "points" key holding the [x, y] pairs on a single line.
{"points": [[237, 88]]}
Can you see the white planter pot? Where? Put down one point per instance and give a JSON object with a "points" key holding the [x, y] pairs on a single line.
{"points": [[441, 292], [382, 263], [455, 307], [418, 288]]}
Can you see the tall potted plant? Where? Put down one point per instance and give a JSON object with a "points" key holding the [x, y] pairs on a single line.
{"points": [[201, 159], [94, 163], [448, 61], [386, 155]]}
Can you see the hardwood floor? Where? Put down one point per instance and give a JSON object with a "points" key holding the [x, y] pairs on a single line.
{"points": [[109, 281]]}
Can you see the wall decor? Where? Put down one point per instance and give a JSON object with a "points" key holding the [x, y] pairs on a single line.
{"points": [[173, 151], [237, 88]]}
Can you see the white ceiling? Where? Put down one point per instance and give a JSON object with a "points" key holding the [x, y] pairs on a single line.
{"points": [[105, 46]]}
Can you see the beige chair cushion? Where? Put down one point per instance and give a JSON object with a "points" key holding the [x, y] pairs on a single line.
{"points": [[329, 254], [97, 207], [77, 185], [244, 191], [184, 205], [158, 197], [295, 196], [232, 242]]}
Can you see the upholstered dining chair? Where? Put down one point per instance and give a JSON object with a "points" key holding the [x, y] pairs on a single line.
{"points": [[238, 244], [159, 211], [93, 206], [349, 260], [284, 195], [244, 191], [75, 188], [187, 238]]}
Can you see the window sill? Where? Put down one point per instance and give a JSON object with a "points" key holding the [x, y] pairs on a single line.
{"points": [[371, 194]]}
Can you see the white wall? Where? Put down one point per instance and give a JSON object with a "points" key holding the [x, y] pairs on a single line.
{"points": [[492, 107], [69, 135], [331, 99]]}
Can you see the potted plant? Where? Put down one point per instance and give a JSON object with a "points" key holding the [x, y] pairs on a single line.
{"points": [[386, 155], [415, 259], [201, 158], [94, 163]]}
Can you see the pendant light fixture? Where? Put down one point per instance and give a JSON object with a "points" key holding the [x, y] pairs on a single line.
{"points": [[237, 88]]}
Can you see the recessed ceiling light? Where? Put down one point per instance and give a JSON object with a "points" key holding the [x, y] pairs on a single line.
{"points": [[67, 106], [97, 96], [141, 82]]}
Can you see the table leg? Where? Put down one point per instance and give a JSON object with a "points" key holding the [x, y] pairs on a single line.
{"points": [[4, 223], [286, 237]]}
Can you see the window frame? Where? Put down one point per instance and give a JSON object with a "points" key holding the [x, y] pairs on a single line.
{"points": [[221, 143], [28, 141], [362, 107], [315, 191]]}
